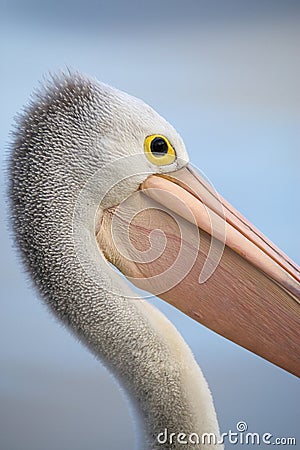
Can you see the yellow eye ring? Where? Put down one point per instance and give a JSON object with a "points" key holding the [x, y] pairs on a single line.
{"points": [[158, 150]]}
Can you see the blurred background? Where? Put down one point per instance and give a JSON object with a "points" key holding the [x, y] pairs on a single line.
{"points": [[226, 74]]}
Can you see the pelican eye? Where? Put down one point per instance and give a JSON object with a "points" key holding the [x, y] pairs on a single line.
{"points": [[159, 147], [158, 150]]}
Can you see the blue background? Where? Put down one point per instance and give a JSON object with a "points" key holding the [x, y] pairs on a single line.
{"points": [[226, 75]]}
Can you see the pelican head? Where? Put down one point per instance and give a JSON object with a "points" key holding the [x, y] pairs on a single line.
{"points": [[95, 173]]}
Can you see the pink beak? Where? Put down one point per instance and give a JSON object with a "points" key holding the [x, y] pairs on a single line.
{"points": [[209, 262]]}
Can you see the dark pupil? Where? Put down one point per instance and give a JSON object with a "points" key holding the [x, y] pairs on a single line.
{"points": [[159, 147]]}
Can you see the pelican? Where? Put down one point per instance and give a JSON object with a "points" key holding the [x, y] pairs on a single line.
{"points": [[94, 174]]}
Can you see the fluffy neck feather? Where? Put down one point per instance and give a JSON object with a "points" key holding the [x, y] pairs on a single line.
{"points": [[134, 340]]}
